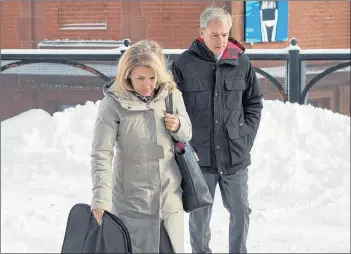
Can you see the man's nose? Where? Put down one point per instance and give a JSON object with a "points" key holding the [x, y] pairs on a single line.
{"points": [[220, 40]]}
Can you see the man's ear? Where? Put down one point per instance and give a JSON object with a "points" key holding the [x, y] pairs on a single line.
{"points": [[201, 32]]}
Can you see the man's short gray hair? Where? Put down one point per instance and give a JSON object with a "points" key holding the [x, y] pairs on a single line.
{"points": [[216, 13]]}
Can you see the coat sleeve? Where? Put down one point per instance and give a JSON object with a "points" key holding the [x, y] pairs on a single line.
{"points": [[185, 131], [104, 138], [252, 101]]}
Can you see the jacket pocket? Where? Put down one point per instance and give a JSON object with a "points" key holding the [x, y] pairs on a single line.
{"points": [[240, 142], [140, 189], [202, 143], [195, 93], [234, 92]]}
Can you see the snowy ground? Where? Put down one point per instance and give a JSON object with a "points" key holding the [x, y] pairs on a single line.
{"points": [[299, 180]]}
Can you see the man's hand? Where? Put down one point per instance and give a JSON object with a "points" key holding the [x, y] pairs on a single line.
{"points": [[172, 122]]}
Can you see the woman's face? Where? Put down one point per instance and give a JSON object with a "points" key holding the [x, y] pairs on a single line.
{"points": [[143, 80]]}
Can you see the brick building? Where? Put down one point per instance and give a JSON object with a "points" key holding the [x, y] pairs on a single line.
{"points": [[25, 24]]}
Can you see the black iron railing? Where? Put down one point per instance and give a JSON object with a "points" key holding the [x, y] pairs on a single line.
{"points": [[292, 55]]}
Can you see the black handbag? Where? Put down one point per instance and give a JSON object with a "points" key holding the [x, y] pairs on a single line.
{"points": [[196, 194], [84, 235]]}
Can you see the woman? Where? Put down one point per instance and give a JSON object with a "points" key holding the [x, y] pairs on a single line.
{"points": [[141, 184], [269, 20]]}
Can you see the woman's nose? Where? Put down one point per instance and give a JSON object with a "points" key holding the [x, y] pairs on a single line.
{"points": [[148, 82]]}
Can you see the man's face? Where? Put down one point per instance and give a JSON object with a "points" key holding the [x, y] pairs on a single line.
{"points": [[215, 36]]}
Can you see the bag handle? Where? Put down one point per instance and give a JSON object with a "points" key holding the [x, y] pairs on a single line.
{"points": [[169, 103], [169, 109]]}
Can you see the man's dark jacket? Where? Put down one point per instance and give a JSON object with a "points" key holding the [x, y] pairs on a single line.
{"points": [[224, 102]]}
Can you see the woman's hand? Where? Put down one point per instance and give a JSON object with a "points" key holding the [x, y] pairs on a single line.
{"points": [[98, 213], [172, 122], [196, 157]]}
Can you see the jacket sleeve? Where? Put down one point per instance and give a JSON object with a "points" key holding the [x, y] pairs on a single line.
{"points": [[104, 138], [185, 131], [177, 75], [252, 101]]}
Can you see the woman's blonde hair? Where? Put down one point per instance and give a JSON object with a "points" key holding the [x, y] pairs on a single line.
{"points": [[143, 53]]}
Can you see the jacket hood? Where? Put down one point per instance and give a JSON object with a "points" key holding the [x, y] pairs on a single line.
{"points": [[232, 52], [109, 89], [107, 86]]}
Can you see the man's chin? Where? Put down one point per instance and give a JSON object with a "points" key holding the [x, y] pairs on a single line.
{"points": [[218, 52]]}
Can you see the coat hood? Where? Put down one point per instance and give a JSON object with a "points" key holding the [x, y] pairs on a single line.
{"points": [[232, 52], [109, 89]]}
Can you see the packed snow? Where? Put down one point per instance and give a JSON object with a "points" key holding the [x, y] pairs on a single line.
{"points": [[299, 182]]}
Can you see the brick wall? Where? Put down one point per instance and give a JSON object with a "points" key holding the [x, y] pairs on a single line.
{"points": [[10, 14], [322, 24], [315, 24], [58, 14]]}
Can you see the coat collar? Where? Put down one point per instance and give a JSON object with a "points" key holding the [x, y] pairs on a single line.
{"points": [[230, 55], [131, 102]]}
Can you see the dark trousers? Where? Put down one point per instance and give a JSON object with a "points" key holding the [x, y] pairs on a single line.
{"points": [[165, 242], [234, 191]]}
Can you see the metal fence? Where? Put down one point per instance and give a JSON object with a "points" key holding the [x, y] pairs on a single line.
{"points": [[314, 76]]}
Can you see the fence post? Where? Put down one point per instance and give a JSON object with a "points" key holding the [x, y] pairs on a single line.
{"points": [[294, 73], [126, 43]]}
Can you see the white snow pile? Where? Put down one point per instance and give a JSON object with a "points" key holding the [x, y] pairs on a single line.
{"points": [[299, 182]]}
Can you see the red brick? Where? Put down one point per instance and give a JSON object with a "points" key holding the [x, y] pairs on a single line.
{"points": [[322, 24]]}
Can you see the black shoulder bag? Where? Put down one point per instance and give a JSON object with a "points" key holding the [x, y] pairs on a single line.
{"points": [[196, 194]]}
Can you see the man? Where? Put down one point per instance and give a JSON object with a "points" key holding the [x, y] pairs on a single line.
{"points": [[224, 102]]}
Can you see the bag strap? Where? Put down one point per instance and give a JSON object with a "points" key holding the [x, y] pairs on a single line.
{"points": [[169, 104], [179, 146]]}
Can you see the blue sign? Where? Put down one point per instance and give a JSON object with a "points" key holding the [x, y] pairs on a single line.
{"points": [[266, 21]]}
